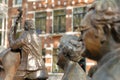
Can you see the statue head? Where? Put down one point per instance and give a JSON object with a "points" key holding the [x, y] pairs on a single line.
{"points": [[69, 50], [100, 29], [29, 25]]}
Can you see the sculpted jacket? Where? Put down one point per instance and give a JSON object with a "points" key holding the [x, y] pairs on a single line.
{"points": [[31, 47]]}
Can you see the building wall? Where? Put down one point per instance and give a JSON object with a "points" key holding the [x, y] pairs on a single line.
{"points": [[49, 40]]}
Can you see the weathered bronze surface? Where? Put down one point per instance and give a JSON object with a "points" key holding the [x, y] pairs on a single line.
{"points": [[68, 56], [28, 62], [101, 30], [30, 45]]}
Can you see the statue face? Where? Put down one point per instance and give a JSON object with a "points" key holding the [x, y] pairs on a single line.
{"points": [[102, 22], [29, 25], [92, 37], [92, 44]]}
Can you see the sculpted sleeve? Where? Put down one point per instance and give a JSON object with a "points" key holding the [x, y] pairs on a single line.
{"points": [[14, 44]]}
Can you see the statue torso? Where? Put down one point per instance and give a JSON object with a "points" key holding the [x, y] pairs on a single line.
{"points": [[108, 67]]}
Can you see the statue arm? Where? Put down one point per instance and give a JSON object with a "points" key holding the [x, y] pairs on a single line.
{"points": [[15, 44]]}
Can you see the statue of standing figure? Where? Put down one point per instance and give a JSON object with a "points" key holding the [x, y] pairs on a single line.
{"points": [[23, 59], [100, 33], [30, 44]]}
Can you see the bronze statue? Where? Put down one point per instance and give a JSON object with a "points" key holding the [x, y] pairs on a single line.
{"points": [[26, 61], [68, 56], [100, 34], [30, 45]]}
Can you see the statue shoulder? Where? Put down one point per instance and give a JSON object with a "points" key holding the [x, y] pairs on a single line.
{"points": [[109, 70]]}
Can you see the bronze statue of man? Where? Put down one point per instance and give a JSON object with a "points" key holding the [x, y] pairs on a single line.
{"points": [[101, 37], [100, 32], [30, 45]]}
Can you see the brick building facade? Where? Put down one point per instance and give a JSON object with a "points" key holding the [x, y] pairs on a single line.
{"points": [[53, 18]]}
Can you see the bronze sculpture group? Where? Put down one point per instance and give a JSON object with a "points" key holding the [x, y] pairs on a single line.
{"points": [[100, 33], [99, 40]]}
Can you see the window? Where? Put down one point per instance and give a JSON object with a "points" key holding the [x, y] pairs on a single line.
{"points": [[40, 22], [35, 0], [59, 21], [55, 67], [6, 1], [2, 32], [78, 14], [18, 2]]}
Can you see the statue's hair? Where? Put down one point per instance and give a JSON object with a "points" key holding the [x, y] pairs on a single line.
{"points": [[107, 12]]}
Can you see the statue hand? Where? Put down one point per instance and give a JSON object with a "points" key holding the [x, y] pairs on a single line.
{"points": [[77, 48], [77, 45]]}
